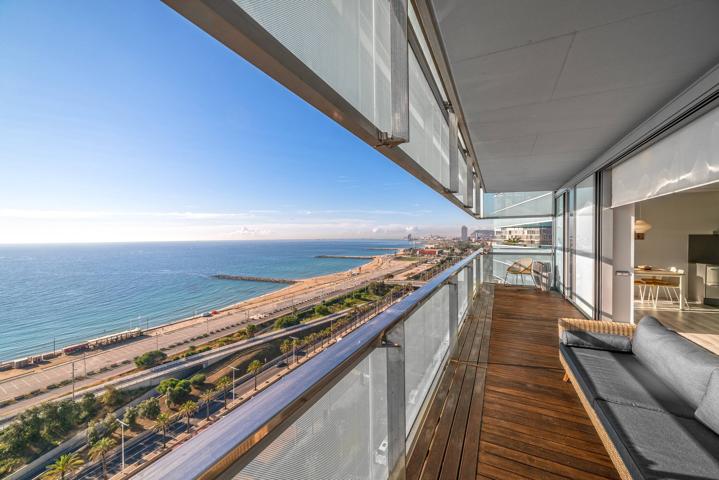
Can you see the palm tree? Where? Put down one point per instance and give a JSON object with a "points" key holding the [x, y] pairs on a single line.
{"points": [[206, 398], [285, 346], [222, 384], [100, 449], [163, 421], [65, 465], [253, 368], [187, 409]]}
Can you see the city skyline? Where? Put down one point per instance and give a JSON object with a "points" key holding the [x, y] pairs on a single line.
{"points": [[118, 134]]}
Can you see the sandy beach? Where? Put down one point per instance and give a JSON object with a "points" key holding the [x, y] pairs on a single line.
{"points": [[177, 336]]}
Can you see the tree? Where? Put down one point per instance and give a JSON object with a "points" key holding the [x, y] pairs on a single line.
{"points": [[186, 410], [250, 330], [322, 310], [150, 359], [88, 407], [253, 368], [150, 408], [197, 379], [99, 451], [165, 385], [206, 398], [180, 392], [111, 397], [223, 384], [130, 417], [286, 346], [162, 422], [66, 464], [176, 391]]}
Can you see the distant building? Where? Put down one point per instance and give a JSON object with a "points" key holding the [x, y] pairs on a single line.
{"points": [[483, 235], [428, 251], [463, 236], [536, 234]]}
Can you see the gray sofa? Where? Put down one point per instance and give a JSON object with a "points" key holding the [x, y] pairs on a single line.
{"points": [[652, 395]]}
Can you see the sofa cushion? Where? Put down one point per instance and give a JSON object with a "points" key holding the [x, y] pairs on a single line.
{"points": [[708, 411], [659, 445], [598, 341], [677, 361], [621, 378]]}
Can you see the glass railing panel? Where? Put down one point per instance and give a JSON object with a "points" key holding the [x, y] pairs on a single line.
{"points": [[462, 295], [426, 334], [342, 435], [347, 44], [517, 204], [429, 138]]}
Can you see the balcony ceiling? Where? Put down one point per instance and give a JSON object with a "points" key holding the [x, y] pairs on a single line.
{"points": [[547, 86]]}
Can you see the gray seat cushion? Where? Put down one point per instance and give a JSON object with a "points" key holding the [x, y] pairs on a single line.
{"points": [[621, 378], [659, 445], [599, 341], [674, 359], [708, 411]]}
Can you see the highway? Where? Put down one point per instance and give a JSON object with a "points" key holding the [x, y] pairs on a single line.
{"points": [[174, 340]]}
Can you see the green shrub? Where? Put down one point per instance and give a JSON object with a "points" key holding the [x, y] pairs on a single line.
{"points": [[150, 408], [198, 379], [322, 310], [130, 416], [177, 391], [111, 397], [150, 359]]}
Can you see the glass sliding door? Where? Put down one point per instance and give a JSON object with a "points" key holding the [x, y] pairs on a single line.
{"points": [[584, 252]]}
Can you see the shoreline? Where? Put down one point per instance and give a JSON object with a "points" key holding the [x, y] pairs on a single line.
{"points": [[40, 359]]}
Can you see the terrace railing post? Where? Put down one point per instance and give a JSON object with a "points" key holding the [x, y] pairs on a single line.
{"points": [[470, 284], [453, 310], [477, 272], [396, 429]]}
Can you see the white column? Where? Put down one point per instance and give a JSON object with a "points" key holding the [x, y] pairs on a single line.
{"points": [[623, 252]]}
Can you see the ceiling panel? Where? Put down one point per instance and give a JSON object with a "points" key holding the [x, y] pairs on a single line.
{"points": [[547, 86], [505, 78]]}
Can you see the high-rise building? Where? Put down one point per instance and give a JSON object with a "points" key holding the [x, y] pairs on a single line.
{"points": [[542, 112], [463, 234]]}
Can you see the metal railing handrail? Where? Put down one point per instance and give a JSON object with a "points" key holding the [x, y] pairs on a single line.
{"points": [[217, 448]]}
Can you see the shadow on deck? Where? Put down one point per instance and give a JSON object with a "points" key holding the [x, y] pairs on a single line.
{"points": [[501, 409]]}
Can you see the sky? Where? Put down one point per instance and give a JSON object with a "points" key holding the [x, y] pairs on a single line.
{"points": [[122, 121]]}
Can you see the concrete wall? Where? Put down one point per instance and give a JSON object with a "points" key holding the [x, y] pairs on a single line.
{"points": [[673, 218]]}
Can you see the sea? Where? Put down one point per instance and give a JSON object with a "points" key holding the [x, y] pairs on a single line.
{"points": [[56, 295]]}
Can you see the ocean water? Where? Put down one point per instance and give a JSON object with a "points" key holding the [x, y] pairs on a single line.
{"points": [[74, 292]]}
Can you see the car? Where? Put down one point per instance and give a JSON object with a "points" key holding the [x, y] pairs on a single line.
{"points": [[281, 365], [300, 353]]}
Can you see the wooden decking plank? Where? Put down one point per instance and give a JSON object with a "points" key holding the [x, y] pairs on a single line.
{"points": [[435, 456], [453, 452], [470, 449], [506, 413]]}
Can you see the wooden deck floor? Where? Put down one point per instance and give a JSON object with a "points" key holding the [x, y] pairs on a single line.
{"points": [[501, 410]]}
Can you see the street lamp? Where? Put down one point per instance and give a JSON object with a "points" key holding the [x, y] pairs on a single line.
{"points": [[233, 381], [122, 436]]}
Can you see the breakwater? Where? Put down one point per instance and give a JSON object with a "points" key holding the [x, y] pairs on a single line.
{"points": [[353, 257], [251, 278]]}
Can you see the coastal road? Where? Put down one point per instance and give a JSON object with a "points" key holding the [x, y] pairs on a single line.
{"points": [[87, 367]]}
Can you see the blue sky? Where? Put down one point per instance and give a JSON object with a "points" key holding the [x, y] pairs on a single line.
{"points": [[121, 121]]}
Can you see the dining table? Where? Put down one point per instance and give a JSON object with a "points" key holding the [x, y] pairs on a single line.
{"points": [[656, 272]]}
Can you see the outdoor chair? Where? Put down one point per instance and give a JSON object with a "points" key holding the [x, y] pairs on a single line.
{"points": [[521, 267]]}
